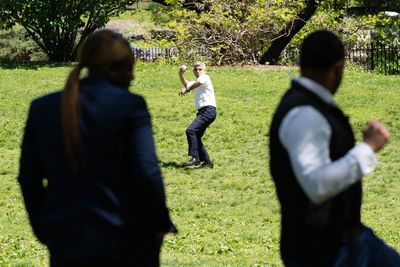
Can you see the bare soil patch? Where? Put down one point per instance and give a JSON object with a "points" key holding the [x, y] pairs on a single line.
{"points": [[119, 25]]}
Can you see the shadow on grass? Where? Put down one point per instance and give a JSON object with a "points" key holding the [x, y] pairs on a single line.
{"points": [[176, 165], [33, 65], [173, 164]]}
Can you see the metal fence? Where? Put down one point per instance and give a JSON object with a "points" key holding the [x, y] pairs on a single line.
{"points": [[153, 53], [382, 58]]}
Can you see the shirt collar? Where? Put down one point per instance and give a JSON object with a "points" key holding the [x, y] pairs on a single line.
{"points": [[316, 88]]}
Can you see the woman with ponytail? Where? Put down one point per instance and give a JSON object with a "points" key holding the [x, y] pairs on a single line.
{"points": [[88, 168]]}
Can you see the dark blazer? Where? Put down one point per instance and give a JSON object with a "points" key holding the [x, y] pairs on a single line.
{"points": [[116, 202]]}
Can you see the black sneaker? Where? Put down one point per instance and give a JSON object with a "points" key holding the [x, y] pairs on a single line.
{"points": [[193, 162]]}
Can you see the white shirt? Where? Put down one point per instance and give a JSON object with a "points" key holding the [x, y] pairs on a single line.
{"points": [[204, 94], [305, 134]]}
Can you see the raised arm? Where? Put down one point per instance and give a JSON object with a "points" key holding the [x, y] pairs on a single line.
{"points": [[181, 73], [305, 134]]}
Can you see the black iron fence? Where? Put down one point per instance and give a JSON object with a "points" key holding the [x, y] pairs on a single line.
{"points": [[153, 53], [382, 58]]}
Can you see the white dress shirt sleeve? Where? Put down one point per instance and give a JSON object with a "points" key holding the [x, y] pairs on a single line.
{"points": [[202, 79], [305, 134]]}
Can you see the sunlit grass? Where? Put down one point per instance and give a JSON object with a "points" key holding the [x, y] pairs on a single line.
{"points": [[229, 215]]}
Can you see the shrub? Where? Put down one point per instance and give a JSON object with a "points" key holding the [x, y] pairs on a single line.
{"points": [[15, 46], [227, 32]]}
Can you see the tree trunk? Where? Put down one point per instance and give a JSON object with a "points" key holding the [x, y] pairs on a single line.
{"points": [[85, 33], [58, 56], [62, 50], [271, 56]]}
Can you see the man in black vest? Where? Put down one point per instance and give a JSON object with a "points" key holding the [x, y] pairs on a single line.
{"points": [[317, 167]]}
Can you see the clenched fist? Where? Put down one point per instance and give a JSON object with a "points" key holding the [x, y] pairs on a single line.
{"points": [[376, 135]]}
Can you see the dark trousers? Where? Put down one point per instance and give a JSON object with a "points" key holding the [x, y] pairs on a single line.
{"points": [[367, 250], [205, 116]]}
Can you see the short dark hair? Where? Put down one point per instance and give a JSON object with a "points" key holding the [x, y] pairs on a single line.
{"points": [[321, 50]]}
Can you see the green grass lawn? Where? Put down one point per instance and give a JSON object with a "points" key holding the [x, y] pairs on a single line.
{"points": [[229, 215]]}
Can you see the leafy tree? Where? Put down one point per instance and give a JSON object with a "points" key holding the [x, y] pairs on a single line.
{"points": [[285, 35], [59, 26], [330, 14], [373, 6], [195, 5], [228, 31]]}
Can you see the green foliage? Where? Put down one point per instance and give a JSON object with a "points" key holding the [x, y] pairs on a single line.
{"points": [[352, 30], [228, 31], [54, 25], [229, 215], [16, 47], [356, 32], [387, 29], [373, 5]]}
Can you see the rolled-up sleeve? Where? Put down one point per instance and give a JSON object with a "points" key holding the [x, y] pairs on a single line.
{"points": [[305, 134]]}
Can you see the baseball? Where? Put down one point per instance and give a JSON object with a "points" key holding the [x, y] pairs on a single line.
{"points": [[183, 67]]}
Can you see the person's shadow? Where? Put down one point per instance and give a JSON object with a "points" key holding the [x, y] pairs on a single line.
{"points": [[172, 164]]}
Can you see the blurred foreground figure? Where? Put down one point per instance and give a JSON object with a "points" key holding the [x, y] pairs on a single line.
{"points": [[317, 167], [88, 169]]}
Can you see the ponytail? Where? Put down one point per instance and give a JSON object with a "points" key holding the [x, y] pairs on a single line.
{"points": [[70, 117], [108, 56]]}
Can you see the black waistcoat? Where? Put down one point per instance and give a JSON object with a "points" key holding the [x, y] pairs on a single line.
{"points": [[307, 228]]}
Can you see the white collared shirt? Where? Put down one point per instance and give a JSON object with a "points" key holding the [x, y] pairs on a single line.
{"points": [[204, 94], [305, 134]]}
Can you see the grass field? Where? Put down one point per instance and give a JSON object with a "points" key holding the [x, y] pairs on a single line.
{"points": [[229, 215]]}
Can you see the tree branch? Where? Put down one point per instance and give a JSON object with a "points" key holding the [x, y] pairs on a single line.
{"points": [[284, 36]]}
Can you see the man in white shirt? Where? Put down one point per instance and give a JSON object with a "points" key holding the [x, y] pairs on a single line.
{"points": [[317, 167], [204, 101]]}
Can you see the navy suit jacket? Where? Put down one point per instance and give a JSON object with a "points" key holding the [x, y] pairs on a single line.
{"points": [[118, 191]]}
